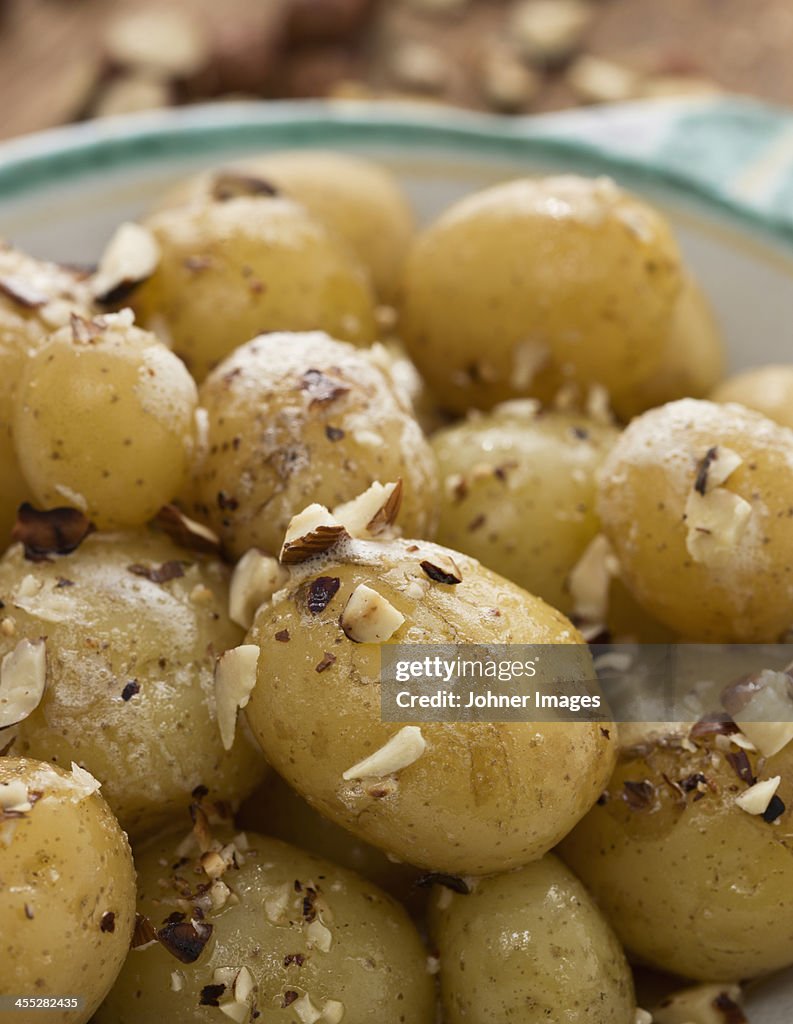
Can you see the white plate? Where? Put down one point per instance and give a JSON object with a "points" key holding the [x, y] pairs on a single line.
{"points": [[721, 169]]}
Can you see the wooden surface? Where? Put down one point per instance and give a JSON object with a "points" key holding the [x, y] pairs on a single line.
{"points": [[51, 51]]}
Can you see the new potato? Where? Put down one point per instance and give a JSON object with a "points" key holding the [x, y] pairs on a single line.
{"points": [[528, 284], [357, 199], [130, 662], [301, 418], [530, 946], [68, 889], [518, 493], [724, 578], [766, 389], [320, 944], [483, 797], [36, 298], [231, 270], [105, 421], [691, 882]]}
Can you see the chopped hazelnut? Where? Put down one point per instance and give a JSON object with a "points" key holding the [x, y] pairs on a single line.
{"points": [[368, 618], [442, 569], [373, 512], [401, 750], [318, 936], [309, 533], [130, 258], [757, 798], [255, 579], [716, 522], [590, 580], [235, 678], [305, 1009], [23, 675], [701, 1004], [14, 796], [766, 718]]}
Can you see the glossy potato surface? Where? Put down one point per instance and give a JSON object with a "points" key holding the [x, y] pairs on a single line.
{"points": [[518, 493], [374, 964], [766, 389], [301, 418], [130, 664], [529, 945], [693, 357], [746, 593], [692, 884], [565, 273], [36, 298], [68, 890], [358, 199], [117, 441], [483, 797], [232, 270]]}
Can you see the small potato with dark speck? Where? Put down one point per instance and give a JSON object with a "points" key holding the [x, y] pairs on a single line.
{"points": [[301, 418], [67, 889], [528, 284], [232, 270], [317, 943], [518, 492], [529, 946], [105, 421], [482, 797], [358, 199], [133, 624], [697, 501], [36, 298], [692, 883]]}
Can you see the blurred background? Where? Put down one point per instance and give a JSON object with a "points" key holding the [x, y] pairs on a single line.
{"points": [[65, 60]]}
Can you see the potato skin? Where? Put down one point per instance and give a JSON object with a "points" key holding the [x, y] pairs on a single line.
{"points": [[376, 965], [518, 493], [529, 945], [118, 442], [108, 631], [23, 328], [64, 865], [233, 269], [645, 483], [691, 883], [693, 358], [521, 281], [301, 418], [358, 200], [276, 810], [484, 797], [766, 389]]}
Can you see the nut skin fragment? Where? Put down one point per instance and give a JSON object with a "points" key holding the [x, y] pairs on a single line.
{"points": [[369, 618], [311, 532], [402, 750]]}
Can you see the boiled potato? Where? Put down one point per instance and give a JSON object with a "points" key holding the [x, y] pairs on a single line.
{"points": [[133, 624], [281, 935], [533, 279], [231, 270], [68, 889], [300, 418], [692, 883], [766, 389], [276, 810], [482, 797], [359, 200], [35, 299], [118, 441], [518, 493], [693, 357], [695, 500], [531, 946]]}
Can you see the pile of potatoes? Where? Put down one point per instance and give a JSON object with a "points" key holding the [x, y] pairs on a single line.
{"points": [[278, 427]]}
